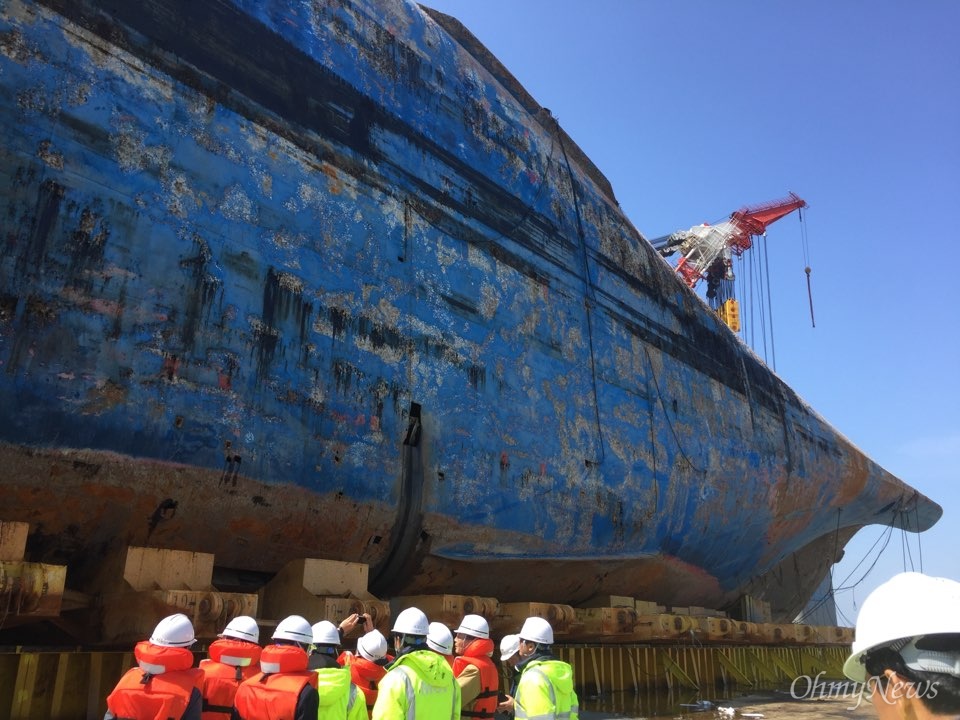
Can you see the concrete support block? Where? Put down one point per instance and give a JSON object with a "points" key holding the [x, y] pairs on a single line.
{"points": [[13, 540], [450, 609], [322, 590]]}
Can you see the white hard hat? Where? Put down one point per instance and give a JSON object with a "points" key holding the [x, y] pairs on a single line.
{"points": [[509, 646], [174, 631], [294, 628], [537, 630], [908, 605], [372, 646], [475, 626], [242, 627], [440, 639], [325, 633], [411, 621]]}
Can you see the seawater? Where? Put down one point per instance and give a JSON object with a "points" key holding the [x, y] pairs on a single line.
{"points": [[653, 705], [829, 701]]}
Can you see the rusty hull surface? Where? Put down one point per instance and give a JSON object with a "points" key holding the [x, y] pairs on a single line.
{"points": [[290, 280]]}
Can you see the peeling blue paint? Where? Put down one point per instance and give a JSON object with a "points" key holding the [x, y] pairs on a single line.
{"points": [[252, 255]]}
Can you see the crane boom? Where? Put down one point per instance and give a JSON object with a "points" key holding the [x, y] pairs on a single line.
{"points": [[707, 249], [754, 220]]}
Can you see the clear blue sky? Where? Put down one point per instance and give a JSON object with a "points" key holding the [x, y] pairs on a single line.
{"points": [[693, 109]]}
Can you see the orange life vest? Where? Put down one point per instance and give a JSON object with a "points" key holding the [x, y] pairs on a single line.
{"points": [[476, 654], [160, 688], [231, 662], [275, 692], [365, 675]]}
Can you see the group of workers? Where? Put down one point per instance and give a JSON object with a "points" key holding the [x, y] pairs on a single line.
{"points": [[305, 674], [906, 655]]}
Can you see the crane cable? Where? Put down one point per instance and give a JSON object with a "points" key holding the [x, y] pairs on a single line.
{"points": [[806, 262], [766, 263], [757, 283]]}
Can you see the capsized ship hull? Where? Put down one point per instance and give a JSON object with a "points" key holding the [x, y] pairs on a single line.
{"points": [[290, 280]]}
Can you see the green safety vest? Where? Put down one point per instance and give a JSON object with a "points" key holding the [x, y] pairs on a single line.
{"points": [[545, 692], [419, 686], [338, 696]]}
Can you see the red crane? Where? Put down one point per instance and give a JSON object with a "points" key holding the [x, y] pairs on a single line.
{"points": [[707, 250]]}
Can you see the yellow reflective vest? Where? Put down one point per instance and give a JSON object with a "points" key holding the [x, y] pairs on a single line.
{"points": [[419, 686], [545, 692], [339, 697]]}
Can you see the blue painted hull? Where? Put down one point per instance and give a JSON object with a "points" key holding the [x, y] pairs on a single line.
{"points": [[319, 279]]}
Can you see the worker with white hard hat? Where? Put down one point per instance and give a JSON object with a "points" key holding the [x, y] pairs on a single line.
{"points": [[368, 665], [419, 684], [440, 640], [373, 647], [233, 658], [510, 649], [285, 687], [339, 697], [476, 673], [164, 683], [326, 646], [545, 689], [907, 648], [510, 659]]}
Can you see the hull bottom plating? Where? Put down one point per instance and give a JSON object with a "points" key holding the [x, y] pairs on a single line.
{"points": [[84, 506]]}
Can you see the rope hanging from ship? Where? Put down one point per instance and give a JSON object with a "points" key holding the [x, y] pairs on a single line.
{"points": [[904, 515], [676, 438], [831, 593], [557, 135], [532, 205], [900, 514], [590, 300], [916, 515], [885, 535]]}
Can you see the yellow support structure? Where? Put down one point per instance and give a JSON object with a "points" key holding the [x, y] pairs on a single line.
{"points": [[815, 662], [675, 671], [759, 666], [782, 658], [731, 667], [58, 685]]}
